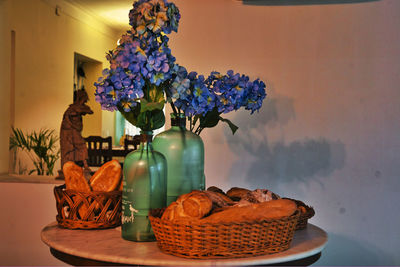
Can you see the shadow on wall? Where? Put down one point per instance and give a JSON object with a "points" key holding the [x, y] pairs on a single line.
{"points": [[301, 2], [344, 251], [263, 163]]}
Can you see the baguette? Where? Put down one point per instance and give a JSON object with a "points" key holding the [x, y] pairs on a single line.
{"points": [[274, 209], [193, 205]]}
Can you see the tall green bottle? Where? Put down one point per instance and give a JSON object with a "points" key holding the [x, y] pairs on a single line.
{"points": [[184, 152], [144, 188]]}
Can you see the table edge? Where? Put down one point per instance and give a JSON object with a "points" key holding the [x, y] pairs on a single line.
{"points": [[254, 260]]}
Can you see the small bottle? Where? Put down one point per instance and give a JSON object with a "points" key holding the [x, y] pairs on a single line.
{"points": [[184, 152], [144, 188]]}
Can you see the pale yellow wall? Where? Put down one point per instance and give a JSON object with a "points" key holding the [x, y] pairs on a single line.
{"points": [[92, 123], [4, 86], [45, 47]]}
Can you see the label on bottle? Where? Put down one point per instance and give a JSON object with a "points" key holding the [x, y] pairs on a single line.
{"points": [[128, 212]]}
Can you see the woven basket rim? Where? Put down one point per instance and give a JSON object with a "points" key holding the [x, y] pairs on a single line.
{"points": [[199, 222], [63, 188]]}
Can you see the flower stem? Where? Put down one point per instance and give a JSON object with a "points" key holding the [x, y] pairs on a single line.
{"points": [[174, 108]]}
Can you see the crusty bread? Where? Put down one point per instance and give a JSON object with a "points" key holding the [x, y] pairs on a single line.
{"points": [[107, 177], [75, 180], [74, 177], [219, 200], [273, 209], [216, 189], [193, 205], [237, 193]]}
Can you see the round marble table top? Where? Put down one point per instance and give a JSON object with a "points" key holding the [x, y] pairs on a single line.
{"points": [[108, 246]]}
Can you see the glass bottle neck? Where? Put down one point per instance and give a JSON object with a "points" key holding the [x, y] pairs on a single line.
{"points": [[146, 138], [178, 121]]}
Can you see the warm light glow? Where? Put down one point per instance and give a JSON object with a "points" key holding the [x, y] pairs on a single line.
{"points": [[118, 16]]}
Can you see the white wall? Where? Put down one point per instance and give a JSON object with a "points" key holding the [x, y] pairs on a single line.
{"points": [[26, 208], [328, 132]]}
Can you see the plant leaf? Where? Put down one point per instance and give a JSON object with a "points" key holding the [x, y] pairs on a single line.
{"points": [[150, 106], [211, 119], [233, 127], [131, 116], [151, 120]]}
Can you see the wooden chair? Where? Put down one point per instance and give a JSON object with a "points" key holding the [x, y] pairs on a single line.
{"points": [[99, 150], [131, 143]]}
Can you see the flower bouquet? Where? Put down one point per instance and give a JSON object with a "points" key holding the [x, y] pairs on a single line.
{"points": [[143, 76], [204, 100], [141, 67]]}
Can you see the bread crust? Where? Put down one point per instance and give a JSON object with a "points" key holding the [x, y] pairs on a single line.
{"points": [[219, 200], [107, 177], [193, 205], [274, 209], [237, 193], [74, 177], [75, 180], [216, 189]]}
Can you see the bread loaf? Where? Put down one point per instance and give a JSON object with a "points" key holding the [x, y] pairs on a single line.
{"points": [[216, 189], [274, 209], [74, 177], [219, 200], [237, 193], [107, 177], [75, 180], [193, 205]]}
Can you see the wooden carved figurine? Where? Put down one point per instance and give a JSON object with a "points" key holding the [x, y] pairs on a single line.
{"points": [[72, 144]]}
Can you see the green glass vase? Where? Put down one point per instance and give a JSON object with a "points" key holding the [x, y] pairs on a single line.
{"points": [[144, 188], [184, 152]]}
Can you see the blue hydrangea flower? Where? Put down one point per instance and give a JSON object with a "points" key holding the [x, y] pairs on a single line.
{"points": [[154, 16], [143, 60]]}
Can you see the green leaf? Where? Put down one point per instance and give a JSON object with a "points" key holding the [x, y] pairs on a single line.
{"points": [[158, 119], [156, 94], [151, 120], [131, 116], [154, 100], [18, 140], [149, 106], [210, 120], [233, 127], [40, 147]]}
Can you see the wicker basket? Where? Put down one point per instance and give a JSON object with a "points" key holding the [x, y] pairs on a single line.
{"points": [[234, 240], [94, 210], [304, 216], [303, 219]]}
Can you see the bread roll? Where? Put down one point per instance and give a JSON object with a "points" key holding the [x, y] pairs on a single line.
{"points": [[274, 209], [193, 205], [107, 177], [173, 212], [216, 189], [263, 195], [237, 193], [74, 177], [219, 200], [302, 207], [75, 180]]}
